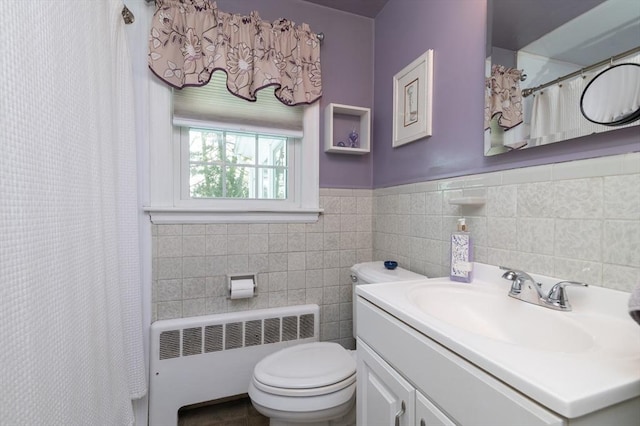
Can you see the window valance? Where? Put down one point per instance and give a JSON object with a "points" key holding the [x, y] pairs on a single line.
{"points": [[190, 39]]}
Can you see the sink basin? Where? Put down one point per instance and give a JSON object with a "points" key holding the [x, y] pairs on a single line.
{"points": [[496, 316], [572, 362]]}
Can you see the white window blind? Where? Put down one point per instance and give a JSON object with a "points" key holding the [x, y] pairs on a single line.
{"points": [[214, 104], [175, 112]]}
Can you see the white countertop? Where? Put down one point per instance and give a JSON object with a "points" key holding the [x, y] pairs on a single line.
{"points": [[572, 383]]}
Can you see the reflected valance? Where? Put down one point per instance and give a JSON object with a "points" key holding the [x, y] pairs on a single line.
{"points": [[503, 97]]}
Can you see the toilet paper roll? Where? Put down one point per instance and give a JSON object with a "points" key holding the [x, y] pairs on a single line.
{"points": [[241, 288]]}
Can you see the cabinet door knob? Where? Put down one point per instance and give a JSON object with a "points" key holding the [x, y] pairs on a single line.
{"points": [[400, 413]]}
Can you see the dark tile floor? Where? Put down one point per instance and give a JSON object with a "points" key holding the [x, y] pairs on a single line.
{"points": [[229, 412]]}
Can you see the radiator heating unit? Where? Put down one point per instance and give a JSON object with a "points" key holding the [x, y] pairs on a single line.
{"points": [[205, 358]]}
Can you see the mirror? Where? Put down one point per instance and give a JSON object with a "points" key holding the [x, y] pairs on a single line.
{"points": [[541, 55]]}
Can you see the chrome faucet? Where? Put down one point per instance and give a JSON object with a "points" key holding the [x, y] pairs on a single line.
{"points": [[558, 296], [525, 288]]}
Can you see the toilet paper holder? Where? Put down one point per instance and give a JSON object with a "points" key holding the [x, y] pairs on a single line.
{"points": [[238, 288]]}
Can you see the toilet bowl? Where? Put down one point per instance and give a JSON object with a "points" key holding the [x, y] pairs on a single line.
{"points": [[314, 384], [308, 383]]}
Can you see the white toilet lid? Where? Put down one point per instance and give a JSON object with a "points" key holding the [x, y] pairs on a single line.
{"points": [[306, 366], [375, 272]]}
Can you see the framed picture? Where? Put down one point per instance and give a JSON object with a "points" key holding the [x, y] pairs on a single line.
{"points": [[412, 93]]}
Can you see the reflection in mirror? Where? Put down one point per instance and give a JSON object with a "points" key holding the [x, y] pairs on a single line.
{"points": [[612, 98], [541, 55]]}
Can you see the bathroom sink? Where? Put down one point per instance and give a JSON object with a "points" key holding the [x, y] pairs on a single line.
{"points": [[571, 361], [494, 315]]}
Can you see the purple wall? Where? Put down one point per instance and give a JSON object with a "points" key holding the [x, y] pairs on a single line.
{"points": [[455, 30], [347, 72], [404, 29]]}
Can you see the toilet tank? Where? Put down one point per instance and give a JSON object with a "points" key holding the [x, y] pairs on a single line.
{"points": [[373, 273]]}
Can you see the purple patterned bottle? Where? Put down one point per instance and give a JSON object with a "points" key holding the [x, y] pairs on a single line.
{"points": [[461, 254]]}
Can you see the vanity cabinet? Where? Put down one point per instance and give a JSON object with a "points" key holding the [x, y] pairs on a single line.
{"points": [[449, 390], [386, 398], [428, 414], [397, 363]]}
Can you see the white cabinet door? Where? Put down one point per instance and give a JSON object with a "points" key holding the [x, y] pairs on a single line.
{"points": [[428, 414], [384, 398]]}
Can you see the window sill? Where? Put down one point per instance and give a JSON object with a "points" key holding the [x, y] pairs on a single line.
{"points": [[177, 215]]}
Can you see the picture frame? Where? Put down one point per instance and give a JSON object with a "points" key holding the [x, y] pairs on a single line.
{"points": [[412, 100]]}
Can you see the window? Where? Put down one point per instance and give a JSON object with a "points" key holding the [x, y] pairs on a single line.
{"points": [[231, 160], [227, 164]]}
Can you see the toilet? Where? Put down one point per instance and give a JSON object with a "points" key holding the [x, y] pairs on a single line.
{"points": [[314, 384]]}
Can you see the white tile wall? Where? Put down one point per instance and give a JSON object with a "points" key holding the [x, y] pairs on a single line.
{"points": [[295, 263], [578, 220]]}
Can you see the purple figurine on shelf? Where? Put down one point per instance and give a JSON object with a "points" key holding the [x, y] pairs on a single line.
{"points": [[353, 137]]}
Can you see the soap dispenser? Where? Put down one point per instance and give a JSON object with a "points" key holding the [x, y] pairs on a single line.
{"points": [[461, 254]]}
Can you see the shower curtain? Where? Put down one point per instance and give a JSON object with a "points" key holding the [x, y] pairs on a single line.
{"points": [[70, 309], [556, 112]]}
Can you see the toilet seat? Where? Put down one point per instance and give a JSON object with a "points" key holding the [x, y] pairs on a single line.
{"points": [[310, 365], [309, 369], [280, 406], [312, 380], [321, 390]]}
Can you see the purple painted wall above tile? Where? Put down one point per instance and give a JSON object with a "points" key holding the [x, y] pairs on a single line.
{"points": [[347, 72], [403, 30], [455, 30]]}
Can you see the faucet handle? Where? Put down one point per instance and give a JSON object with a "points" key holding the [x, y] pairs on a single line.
{"points": [[558, 294], [517, 278], [512, 274]]}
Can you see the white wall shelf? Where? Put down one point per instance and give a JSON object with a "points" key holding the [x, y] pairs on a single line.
{"points": [[339, 121], [468, 201]]}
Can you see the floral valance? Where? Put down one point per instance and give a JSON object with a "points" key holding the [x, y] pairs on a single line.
{"points": [[503, 97], [190, 39]]}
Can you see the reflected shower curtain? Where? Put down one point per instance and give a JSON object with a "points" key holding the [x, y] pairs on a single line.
{"points": [[556, 114], [70, 314]]}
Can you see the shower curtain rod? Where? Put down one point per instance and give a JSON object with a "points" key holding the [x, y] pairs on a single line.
{"points": [[527, 92], [129, 18]]}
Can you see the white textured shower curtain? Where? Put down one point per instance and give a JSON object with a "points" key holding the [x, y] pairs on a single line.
{"points": [[70, 310], [556, 114]]}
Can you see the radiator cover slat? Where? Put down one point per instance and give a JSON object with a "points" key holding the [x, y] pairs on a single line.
{"points": [[253, 333], [289, 328], [271, 330], [191, 341], [213, 335]]}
